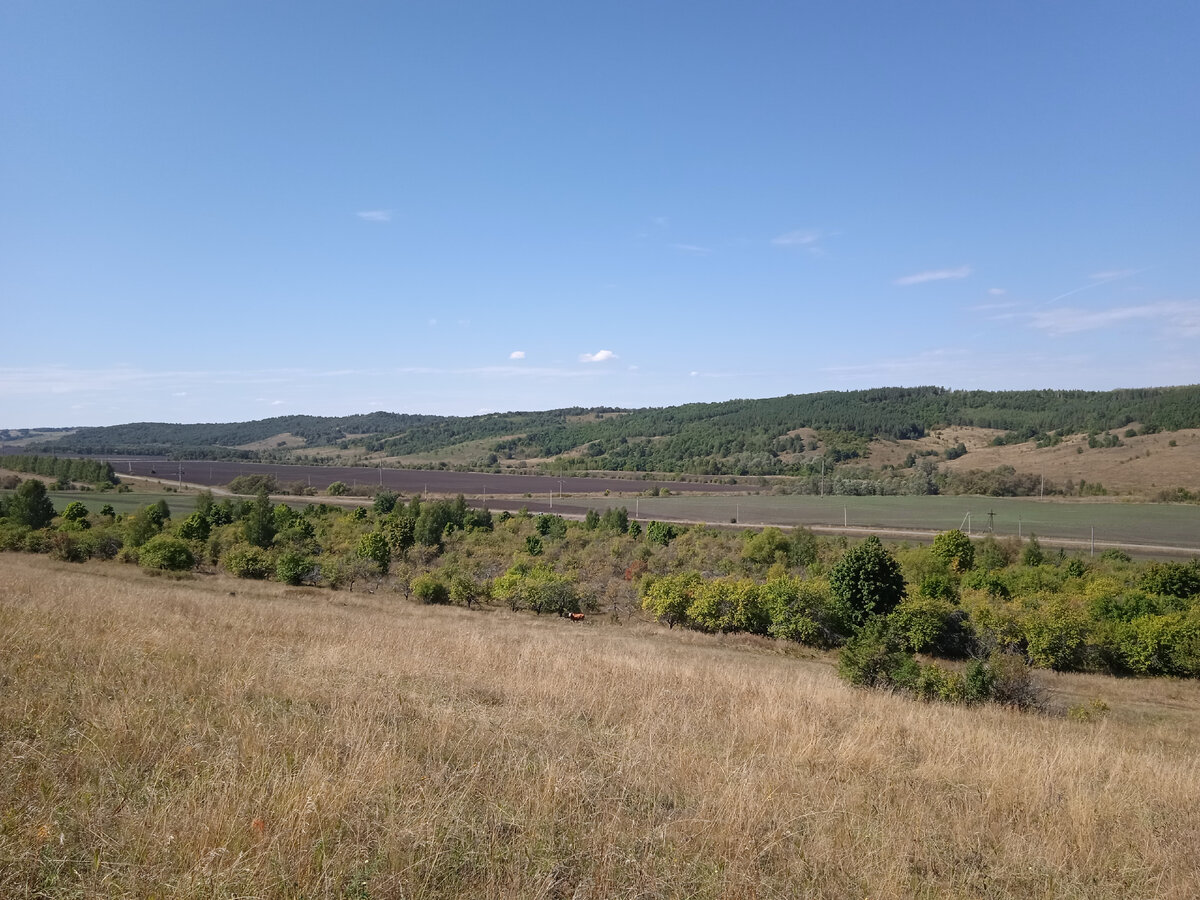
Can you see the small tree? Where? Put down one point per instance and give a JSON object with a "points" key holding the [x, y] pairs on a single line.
{"points": [[374, 546], [30, 506], [955, 549], [259, 524], [76, 515], [867, 582], [668, 598]]}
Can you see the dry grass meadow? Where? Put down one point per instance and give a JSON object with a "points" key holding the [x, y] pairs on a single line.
{"points": [[213, 738]]}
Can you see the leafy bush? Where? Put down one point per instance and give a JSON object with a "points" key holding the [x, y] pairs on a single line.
{"points": [[166, 553], [799, 611], [874, 658], [247, 561], [293, 567], [1055, 635], [428, 588]]}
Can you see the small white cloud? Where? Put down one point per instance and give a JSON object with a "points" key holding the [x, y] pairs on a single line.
{"points": [[179, 394], [375, 215], [660, 221], [693, 248], [693, 373], [598, 356], [277, 403], [934, 275], [1111, 274], [433, 323], [997, 292], [517, 354]]}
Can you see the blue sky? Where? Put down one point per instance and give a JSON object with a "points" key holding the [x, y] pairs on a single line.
{"points": [[225, 211]]}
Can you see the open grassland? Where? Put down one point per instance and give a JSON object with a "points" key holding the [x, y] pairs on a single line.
{"points": [[1125, 523], [170, 738]]}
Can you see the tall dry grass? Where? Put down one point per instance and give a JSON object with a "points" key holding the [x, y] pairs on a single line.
{"points": [[170, 739]]}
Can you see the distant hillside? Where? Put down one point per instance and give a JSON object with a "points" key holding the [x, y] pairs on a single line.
{"points": [[733, 437]]}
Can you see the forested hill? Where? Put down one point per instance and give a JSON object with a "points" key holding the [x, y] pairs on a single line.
{"points": [[692, 437]]}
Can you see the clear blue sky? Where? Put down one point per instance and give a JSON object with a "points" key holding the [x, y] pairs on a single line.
{"points": [[222, 211]]}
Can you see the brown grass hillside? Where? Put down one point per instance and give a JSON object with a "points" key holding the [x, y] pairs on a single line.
{"points": [[1144, 465], [213, 738]]}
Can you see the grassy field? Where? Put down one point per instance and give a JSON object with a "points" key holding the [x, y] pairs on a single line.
{"points": [[215, 738], [1135, 523], [181, 503]]}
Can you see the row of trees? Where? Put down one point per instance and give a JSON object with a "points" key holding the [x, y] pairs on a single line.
{"points": [[955, 600], [78, 469]]}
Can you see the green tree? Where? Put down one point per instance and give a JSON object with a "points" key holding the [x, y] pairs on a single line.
{"points": [[195, 527], [337, 489], [259, 525], [955, 549], [867, 582], [374, 546], [668, 598], [30, 506], [76, 515], [1033, 555], [385, 501]]}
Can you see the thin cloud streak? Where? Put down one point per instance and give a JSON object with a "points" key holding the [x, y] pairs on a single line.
{"points": [[934, 275], [1183, 318], [375, 215]]}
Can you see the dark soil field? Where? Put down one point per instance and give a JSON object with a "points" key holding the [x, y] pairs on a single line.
{"points": [[406, 481]]}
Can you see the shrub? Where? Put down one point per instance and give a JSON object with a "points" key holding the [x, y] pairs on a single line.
{"points": [[1013, 683], [293, 567], [166, 553], [1055, 636], [874, 658], [799, 611], [921, 623], [65, 546], [247, 561], [428, 588]]}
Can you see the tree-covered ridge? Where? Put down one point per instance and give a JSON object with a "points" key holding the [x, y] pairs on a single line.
{"points": [[704, 438]]}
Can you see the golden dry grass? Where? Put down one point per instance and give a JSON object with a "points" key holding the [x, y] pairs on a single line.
{"points": [[167, 738]]}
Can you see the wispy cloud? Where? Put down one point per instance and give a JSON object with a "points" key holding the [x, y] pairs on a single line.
{"points": [[801, 238], [1181, 317], [1113, 273], [934, 275], [375, 215], [517, 354], [598, 356], [693, 248], [997, 292]]}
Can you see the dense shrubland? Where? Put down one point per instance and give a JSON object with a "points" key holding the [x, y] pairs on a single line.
{"points": [[983, 609]]}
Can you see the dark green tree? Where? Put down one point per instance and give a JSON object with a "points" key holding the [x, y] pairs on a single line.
{"points": [[866, 582], [259, 524], [30, 506]]}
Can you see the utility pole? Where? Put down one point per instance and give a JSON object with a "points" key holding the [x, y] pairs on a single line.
{"points": [[1093, 540], [991, 519]]}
